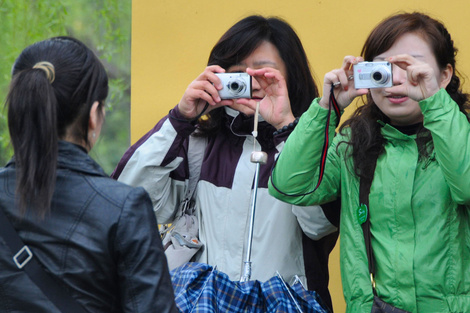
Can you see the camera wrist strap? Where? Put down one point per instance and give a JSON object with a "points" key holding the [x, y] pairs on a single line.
{"points": [[25, 260], [332, 104]]}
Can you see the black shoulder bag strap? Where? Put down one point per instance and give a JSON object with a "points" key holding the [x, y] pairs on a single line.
{"points": [[25, 260], [364, 218], [379, 306]]}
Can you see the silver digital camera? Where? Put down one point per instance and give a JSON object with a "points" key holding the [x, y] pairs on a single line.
{"points": [[235, 85], [372, 75]]}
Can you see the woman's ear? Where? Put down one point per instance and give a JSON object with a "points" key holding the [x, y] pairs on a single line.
{"points": [[94, 123], [446, 76], [94, 119]]}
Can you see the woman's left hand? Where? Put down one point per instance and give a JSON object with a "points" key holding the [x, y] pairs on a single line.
{"points": [[275, 106], [421, 83]]}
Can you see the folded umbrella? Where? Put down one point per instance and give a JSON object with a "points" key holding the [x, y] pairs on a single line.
{"points": [[199, 287]]}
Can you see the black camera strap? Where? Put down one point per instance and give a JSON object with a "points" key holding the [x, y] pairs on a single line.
{"points": [[25, 260], [326, 142]]}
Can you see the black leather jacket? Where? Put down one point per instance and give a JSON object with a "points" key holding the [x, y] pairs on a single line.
{"points": [[100, 241]]}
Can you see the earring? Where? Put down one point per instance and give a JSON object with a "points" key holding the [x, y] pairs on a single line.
{"points": [[93, 135]]}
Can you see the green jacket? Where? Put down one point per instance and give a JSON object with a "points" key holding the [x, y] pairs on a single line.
{"points": [[419, 209]]}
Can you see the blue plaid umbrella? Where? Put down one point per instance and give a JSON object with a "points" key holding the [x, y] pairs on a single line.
{"points": [[201, 288]]}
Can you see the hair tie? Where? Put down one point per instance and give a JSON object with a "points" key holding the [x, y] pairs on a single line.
{"points": [[48, 68]]}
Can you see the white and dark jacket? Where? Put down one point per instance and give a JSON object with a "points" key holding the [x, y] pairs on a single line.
{"points": [[290, 239]]}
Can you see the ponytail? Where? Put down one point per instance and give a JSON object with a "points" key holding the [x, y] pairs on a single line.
{"points": [[32, 116], [54, 84]]}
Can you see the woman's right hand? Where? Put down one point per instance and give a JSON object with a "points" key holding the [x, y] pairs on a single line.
{"points": [[344, 91], [204, 89]]}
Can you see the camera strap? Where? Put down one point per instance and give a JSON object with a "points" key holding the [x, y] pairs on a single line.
{"points": [[332, 105]]}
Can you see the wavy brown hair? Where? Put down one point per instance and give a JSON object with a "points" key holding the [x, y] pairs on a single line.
{"points": [[366, 141]]}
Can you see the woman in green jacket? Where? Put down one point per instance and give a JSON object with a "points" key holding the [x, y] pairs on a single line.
{"points": [[418, 133]]}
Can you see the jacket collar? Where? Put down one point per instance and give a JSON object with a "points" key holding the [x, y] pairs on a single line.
{"points": [[242, 125], [75, 158], [391, 133]]}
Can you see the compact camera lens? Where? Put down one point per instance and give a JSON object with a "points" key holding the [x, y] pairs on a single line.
{"points": [[380, 76], [377, 76], [234, 86]]}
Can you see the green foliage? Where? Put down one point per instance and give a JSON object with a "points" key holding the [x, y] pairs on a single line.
{"points": [[105, 27]]}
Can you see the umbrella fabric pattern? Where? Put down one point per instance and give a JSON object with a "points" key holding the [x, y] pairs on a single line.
{"points": [[199, 287]]}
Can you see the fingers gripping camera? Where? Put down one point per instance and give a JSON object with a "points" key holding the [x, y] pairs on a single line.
{"points": [[235, 85], [372, 75]]}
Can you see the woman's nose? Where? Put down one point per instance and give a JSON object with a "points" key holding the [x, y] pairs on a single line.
{"points": [[398, 75], [254, 84]]}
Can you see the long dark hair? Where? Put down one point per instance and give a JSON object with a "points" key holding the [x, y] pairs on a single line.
{"points": [[366, 140], [247, 35], [54, 84]]}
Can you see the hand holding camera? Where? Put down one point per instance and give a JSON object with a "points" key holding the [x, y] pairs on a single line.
{"points": [[217, 88], [265, 86], [417, 80], [270, 90], [420, 79], [201, 91], [344, 83]]}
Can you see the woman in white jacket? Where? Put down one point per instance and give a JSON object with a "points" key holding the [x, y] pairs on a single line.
{"points": [[288, 239]]}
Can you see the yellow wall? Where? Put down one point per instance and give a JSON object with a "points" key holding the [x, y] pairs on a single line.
{"points": [[171, 41]]}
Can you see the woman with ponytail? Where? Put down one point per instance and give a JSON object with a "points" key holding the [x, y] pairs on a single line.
{"points": [[97, 238]]}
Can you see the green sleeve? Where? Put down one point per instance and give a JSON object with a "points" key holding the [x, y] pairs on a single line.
{"points": [[295, 174], [450, 132]]}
